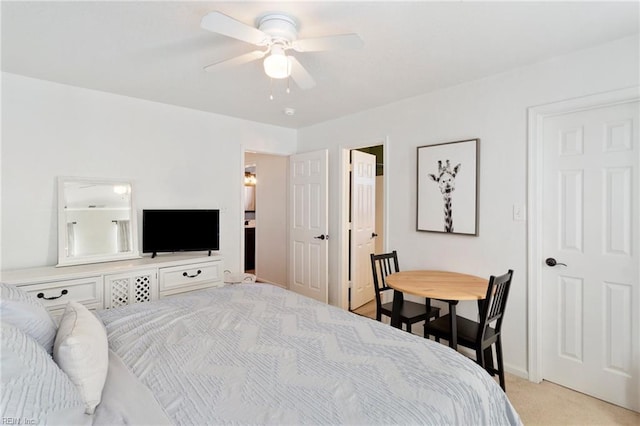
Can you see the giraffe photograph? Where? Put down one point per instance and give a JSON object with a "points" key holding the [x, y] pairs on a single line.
{"points": [[447, 187]]}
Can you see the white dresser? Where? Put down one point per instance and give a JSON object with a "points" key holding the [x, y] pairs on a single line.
{"points": [[111, 284]]}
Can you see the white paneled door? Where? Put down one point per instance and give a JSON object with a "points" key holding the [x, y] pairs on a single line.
{"points": [[308, 233], [590, 247], [363, 226]]}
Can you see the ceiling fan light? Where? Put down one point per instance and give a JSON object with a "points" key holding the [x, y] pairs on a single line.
{"points": [[277, 65]]}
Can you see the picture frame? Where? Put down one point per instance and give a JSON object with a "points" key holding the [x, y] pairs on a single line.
{"points": [[447, 187]]}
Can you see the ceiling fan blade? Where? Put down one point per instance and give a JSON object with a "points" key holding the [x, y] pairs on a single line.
{"points": [[300, 75], [341, 41], [238, 60], [222, 24]]}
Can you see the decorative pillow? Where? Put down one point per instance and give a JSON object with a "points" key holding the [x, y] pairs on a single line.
{"points": [[34, 389], [19, 308], [82, 351]]}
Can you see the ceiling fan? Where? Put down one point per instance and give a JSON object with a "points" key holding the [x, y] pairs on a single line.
{"points": [[276, 33]]}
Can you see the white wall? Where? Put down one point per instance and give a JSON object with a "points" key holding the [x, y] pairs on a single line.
{"points": [[272, 174], [495, 110], [175, 157]]}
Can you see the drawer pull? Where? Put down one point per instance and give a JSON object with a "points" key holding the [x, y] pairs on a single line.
{"points": [[62, 293], [184, 274]]}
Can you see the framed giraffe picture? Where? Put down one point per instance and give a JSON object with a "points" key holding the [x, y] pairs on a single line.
{"points": [[448, 187]]}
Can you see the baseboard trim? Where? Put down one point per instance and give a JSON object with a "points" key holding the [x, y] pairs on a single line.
{"points": [[261, 280], [516, 371]]}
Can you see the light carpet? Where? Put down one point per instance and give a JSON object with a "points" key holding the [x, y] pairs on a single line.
{"points": [[549, 404]]}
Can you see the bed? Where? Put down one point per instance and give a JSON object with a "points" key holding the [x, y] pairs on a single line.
{"points": [[259, 354]]}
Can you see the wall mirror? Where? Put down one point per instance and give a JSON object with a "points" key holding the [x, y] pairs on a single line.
{"points": [[96, 221]]}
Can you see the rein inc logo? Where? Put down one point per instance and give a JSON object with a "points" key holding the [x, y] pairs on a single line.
{"points": [[18, 421]]}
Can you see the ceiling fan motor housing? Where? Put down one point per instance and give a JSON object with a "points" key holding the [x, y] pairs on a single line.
{"points": [[279, 26]]}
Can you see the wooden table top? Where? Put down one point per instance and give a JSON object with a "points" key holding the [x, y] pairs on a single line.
{"points": [[439, 284]]}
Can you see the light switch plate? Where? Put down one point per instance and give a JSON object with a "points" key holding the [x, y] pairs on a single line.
{"points": [[519, 213]]}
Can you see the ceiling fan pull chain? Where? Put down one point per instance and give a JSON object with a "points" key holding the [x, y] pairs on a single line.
{"points": [[288, 80], [271, 89]]}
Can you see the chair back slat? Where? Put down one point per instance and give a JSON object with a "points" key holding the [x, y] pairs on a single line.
{"points": [[495, 303], [382, 265]]}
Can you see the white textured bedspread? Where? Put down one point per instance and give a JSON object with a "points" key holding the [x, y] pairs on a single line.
{"points": [[258, 354]]}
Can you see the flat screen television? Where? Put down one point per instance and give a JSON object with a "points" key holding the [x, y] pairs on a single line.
{"points": [[180, 230]]}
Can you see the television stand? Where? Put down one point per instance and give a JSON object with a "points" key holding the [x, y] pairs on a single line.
{"points": [[111, 284]]}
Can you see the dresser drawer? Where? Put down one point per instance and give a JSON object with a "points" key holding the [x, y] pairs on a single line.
{"points": [[180, 278], [55, 294]]}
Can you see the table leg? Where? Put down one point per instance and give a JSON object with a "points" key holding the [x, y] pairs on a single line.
{"points": [[453, 343], [398, 299]]}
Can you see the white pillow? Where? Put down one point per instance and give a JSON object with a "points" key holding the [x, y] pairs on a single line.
{"points": [[22, 310], [33, 386], [82, 351]]}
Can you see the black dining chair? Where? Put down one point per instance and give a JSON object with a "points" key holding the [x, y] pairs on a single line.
{"points": [[480, 335], [387, 263]]}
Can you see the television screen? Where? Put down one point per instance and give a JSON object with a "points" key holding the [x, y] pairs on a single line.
{"points": [[180, 230]]}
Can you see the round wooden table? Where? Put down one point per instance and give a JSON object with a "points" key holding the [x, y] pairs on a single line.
{"points": [[445, 285], [439, 284]]}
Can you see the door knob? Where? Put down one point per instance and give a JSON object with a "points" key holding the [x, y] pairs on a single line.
{"points": [[373, 235], [322, 237], [550, 261]]}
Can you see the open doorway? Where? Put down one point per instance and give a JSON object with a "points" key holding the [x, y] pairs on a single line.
{"points": [[250, 182], [265, 217], [365, 219], [378, 151]]}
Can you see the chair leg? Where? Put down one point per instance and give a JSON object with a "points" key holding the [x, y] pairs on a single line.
{"points": [[427, 335], [437, 338], [488, 361], [500, 363], [480, 356], [409, 327]]}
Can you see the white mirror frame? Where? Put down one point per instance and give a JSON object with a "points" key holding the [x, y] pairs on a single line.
{"points": [[64, 260]]}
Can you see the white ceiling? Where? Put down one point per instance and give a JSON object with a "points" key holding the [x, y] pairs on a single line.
{"points": [[156, 50]]}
